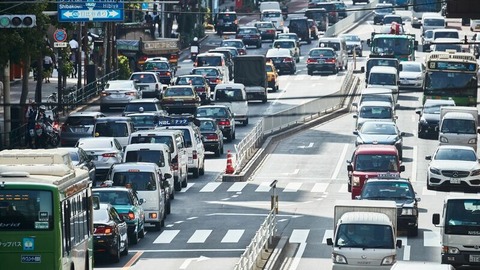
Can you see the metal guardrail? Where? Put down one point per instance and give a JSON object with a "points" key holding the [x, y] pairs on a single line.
{"points": [[250, 256]]}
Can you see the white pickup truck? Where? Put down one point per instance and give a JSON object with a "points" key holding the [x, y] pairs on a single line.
{"points": [[365, 235]]}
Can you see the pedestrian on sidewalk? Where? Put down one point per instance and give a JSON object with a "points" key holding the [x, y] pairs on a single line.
{"points": [[48, 66]]}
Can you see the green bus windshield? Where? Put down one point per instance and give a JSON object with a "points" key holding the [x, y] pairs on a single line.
{"points": [[395, 46], [451, 83], [25, 210]]}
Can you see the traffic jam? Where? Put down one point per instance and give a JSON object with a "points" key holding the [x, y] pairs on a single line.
{"points": [[150, 140]]}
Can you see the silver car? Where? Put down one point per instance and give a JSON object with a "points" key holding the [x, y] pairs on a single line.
{"points": [[412, 74], [118, 93], [149, 83], [104, 152], [78, 125]]}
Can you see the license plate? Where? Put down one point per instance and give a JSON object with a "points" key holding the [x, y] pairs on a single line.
{"points": [[190, 160], [247, 36], [249, 96], [455, 180], [276, 61], [31, 259], [474, 258], [321, 61], [80, 130]]}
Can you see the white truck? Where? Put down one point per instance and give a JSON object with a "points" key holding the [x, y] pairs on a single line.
{"points": [[459, 230], [458, 126], [365, 235]]}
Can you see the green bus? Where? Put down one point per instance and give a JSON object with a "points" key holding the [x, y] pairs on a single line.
{"points": [[401, 47], [451, 75], [45, 212]]}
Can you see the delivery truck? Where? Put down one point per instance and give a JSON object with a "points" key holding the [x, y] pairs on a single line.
{"points": [[458, 126], [250, 71], [365, 235]]}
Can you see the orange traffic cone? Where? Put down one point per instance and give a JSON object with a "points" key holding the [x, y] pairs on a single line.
{"points": [[229, 169]]}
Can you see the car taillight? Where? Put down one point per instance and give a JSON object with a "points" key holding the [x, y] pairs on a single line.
{"points": [[131, 215], [242, 51], [108, 155], [330, 60], [239, 36], [101, 229], [217, 81], [104, 94], [175, 163], [311, 60], [194, 154], [211, 137], [224, 122], [288, 60], [235, 22], [200, 89], [130, 93], [142, 58], [270, 31]]}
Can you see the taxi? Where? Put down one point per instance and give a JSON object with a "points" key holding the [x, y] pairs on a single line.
{"points": [[272, 76], [180, 99]]}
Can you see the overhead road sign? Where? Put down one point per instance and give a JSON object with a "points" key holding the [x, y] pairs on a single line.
{"points": [[91, 11]]}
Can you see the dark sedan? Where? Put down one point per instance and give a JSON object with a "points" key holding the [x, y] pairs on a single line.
{"points": [[322, 59], [199, 83], [267, 30], [162, 68], [110, 237], [430, 116], [250, 36], [222, 115], [380, 132], [212, 136], [399, 190], [213, 75], [282, 59]]}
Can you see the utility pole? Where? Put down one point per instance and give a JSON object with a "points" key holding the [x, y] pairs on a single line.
{"points": [[7, 117], [79, 57]]}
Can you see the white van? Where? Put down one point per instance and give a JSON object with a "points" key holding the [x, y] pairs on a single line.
{"points": [[432, 22], [274, 16], [158, 153], [176, 144], [375, 94], [144, 179], [446, 33], [340, 47], [272, 5], [384, 77], [234, 96], [118, 127]]}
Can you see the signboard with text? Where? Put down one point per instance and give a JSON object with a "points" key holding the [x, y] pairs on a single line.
{"points": [[90, 11]]}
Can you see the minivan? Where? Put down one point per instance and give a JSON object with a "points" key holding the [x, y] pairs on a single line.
{"points": [[373, 61], [117, 127], [299, 26], [175, 141], [234, 96], [226, 22], [340, 47], [213, 60], [384, 77]]}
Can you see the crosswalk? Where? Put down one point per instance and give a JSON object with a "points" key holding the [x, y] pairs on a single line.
{"points": [[311, 186], [232, 236]]}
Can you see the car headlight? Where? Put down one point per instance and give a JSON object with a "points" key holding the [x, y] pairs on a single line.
{"points": [[389, 260], [472, 141], [418, 78], [355, 181], [475, 172], [337, 258], [409, 212], [443, 139], [450, 250], [435, 170]]}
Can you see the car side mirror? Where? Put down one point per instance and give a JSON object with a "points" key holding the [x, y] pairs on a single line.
{"points": [[402, 168], [165, 184], [355, 132], [428, 157], [167, 176], [355, 104], [362, 69], [368, 42], [350, 167], [355, 116], [329, 241], [418, 199], [418, 111], [141, 201], [436, 219], [399, 243], [402, 133]]}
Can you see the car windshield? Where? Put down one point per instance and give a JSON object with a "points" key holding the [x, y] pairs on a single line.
{"points": [[143, 78], [111, 129], [365, 236], [382, 79], [428, 34], [213, 112], [284, 44], [376, 112], [264, 25], [118, 85], [232, 43], [95, 144], [229, 94], [390, 45], [247, 31], [390, 19], [458, 126], [210, 72], [205, 61], [333, 45], [287, 36], [384, 9], [175, 92], [376, 163], [378, 128], [190, 81], [433, 22], [455, 154], [156, 66], [271, 14], [80, 121], [113, 197], [227, 17], [165, 139], [74, 156], [207, 125], [433, 109], [153, 156], [351, 38], [135, 107], [139, 181], [388, 190], [144, 120], [447, 34], [411, 67], [444, 47], [320, 53]]}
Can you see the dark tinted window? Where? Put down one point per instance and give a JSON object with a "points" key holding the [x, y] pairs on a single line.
{"points": [[227, 17], [113, 197], [111, 129], [143, 78], [80, 121], [155, 139], [205, 61], [153, 156], [155, 66], [298, 24], [141, 181], [134, 107]]}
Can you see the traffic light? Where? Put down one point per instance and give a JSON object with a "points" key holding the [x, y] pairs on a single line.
{"points": [[18, 21]]}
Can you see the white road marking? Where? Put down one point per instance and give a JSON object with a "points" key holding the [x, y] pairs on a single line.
{"points": [[340, 162], [238, 186], [431, 239], [189, 185], [199, 236], [413, 178], [292, 187], [263, 187], [328, 234], [320, 187], [232, 236], [299, 236], [332, 77], [406, 253], [298, 256], [166, 237], [210, 187]]}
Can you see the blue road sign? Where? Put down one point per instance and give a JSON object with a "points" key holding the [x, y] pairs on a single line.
{"points": [[90, 10]]}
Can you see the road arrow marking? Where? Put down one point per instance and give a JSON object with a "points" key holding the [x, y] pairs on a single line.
{"points": [[310, 145], [187, 262]]}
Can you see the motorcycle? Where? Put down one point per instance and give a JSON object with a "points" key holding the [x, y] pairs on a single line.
{"points": [[193, 52], [46, 135]]}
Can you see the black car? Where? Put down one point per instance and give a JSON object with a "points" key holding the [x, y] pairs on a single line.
{"points": [[282, 59], [162, 68], [199, 83], [250, 36], [212, 136], [341, 9], [380, 132], [380, 11], [81, 159], [399, 190], [110, 233], [213, 75], [226, 22], [331, 8], [428, 122], [299, 26], [222, 115], [267, 30], [322, 59]]}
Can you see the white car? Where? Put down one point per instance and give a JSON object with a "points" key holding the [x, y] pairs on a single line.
{"points": [[412, 74], [374, 111], [149, 83], [474, 25], [453, 166]]}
